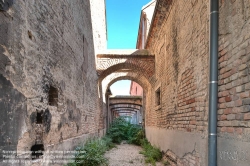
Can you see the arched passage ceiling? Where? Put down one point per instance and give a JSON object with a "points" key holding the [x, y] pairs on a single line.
{"points": [[116, 106], [125, 104], [137, 77], [139, 61], [133, 100]]}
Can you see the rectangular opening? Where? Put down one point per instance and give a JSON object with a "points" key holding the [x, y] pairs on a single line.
{"points": [[39, 117], [53, 96], [158, 97]]}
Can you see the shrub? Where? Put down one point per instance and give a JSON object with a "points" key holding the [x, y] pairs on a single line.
{"points": [[151, 153], [92, 153], [120, 130]]}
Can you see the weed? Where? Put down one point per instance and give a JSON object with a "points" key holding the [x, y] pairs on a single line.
{"points": [[121, 130], [92, 153], [151, 153]]}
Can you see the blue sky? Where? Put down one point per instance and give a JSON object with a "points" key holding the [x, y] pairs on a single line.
{"points": [[122, 26]]}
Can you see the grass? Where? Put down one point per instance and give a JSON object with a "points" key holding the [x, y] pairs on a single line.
{"points": [[151, 153]]}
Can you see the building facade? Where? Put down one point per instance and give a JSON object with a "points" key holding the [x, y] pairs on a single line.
{"points": [[178, 119]]}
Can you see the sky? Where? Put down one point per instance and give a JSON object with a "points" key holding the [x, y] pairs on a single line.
{"points": [[122, 27]]}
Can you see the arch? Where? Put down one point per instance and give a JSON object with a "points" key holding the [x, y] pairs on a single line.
{"points": [[114, 108], [137, 66], [124, 109], [133, 76], [145, 69]]}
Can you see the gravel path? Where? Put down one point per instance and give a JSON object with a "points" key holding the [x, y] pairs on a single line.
{"points": [[126, 155]]}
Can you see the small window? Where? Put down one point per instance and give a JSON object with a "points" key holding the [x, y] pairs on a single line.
{"points": [[158, 97], [37, 151], [39, 117], [53, 96]]}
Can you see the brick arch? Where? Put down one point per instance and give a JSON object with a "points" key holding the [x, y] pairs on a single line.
{"points": [[134, 60], [136, 77], [123, 67], [132, 106]]}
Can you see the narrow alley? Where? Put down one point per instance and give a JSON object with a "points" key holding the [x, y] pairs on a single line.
{"points": [[188, 73]]}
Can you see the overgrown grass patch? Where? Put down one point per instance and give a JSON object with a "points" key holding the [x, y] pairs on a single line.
{"points": [[92, 153], [120, 130], [151, 153]]}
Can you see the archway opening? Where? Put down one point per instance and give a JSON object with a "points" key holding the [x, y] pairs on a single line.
{"points": [[125, 100]]}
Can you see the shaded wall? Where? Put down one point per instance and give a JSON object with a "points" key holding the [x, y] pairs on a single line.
{"points": [[48, 66], [177, 120], [180, 41]]}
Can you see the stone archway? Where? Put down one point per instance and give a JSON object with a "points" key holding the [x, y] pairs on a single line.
{"points": [[135, 65]]}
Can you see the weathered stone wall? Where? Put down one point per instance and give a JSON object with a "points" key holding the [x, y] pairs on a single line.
{"points": [[179, 38], [48, 65]]}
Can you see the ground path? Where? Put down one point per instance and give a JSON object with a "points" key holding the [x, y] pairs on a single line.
{"points": [[126, 155]]}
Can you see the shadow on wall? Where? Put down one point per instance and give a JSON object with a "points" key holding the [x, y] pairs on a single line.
{"points": [[5, 4], [13, 110]]}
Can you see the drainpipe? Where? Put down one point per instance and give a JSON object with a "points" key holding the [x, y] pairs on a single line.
{"points": [[213, 83]]}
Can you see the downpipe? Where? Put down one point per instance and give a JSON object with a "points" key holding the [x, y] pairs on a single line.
{"points": [[213, 83]]}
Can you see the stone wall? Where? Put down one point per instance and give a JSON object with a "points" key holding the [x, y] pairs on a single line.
{"points": [[48, 66]]}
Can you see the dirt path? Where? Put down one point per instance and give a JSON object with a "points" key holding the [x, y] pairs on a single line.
{"points": [[126, 155]]}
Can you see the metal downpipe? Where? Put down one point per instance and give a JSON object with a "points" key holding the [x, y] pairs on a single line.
{"points": [[213, 83]]}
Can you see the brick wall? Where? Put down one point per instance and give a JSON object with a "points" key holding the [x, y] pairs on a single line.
{"points": [[234, 58], [180, 46], [179, 38], [135, 89]]}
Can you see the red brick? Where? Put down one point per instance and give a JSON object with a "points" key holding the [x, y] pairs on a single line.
{"points": [[227, 74], [238, 103], [234, 70], [244, 95], [228, 99], [239, 116], [230, 129], [236, 110], [231, 117], [239, 130], [247, 116], [222, 105], [223, 129], [222, 100], [222, 70], [235, 97], [227, 111], [232, 91], [221, 59], [192, 122], [225, 93], [223, 52], [223, 117]]}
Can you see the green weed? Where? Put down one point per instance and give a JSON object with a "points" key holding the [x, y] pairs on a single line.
{"points": [[151, 153], [92, 153]]}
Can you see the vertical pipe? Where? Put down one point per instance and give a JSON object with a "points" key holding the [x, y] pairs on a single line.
{"points": [[213, 83]]}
